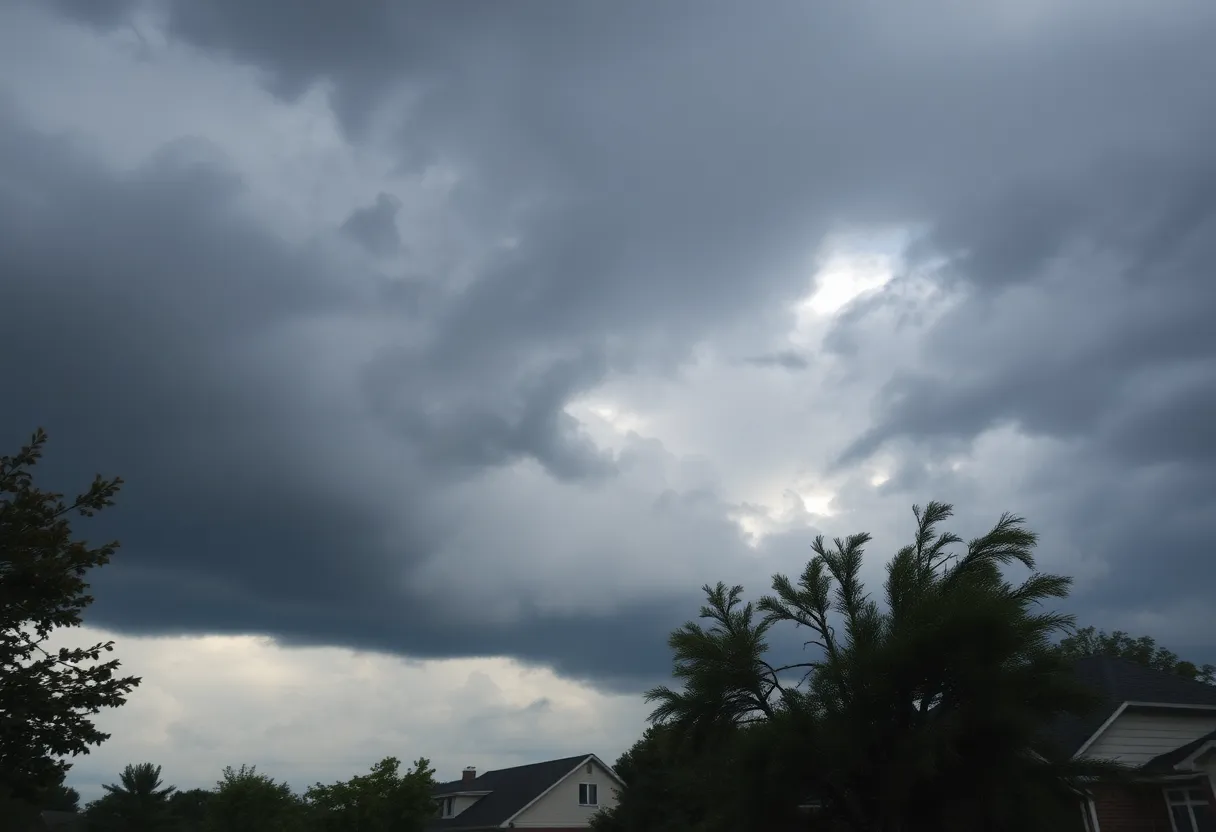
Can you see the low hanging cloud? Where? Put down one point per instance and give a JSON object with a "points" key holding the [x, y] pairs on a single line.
{"points": [[498, 333], [323, 714]]}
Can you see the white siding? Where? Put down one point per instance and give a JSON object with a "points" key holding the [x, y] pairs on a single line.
{"points": [[560, 806], [1138, 736], [462, 802]]}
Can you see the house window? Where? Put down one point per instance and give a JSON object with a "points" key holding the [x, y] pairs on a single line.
{"points": [[588, 795], [447, 807], [1190, 810]]}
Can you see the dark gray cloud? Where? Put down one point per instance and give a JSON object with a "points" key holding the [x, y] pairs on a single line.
{"points": [[1087, 322], [664, 170], [239, 515], [785, 359], [105, 13], [375, 227]]}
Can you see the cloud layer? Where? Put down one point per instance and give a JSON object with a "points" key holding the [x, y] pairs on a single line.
{"points": [[497, 333]]}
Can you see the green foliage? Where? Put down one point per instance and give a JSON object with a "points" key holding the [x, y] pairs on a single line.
{"points": [[246, 801], [189, 809], [384, 800], [928, 714], [46, 698], [1089, 641], [664, 786], [139, 802], [60, 797]]}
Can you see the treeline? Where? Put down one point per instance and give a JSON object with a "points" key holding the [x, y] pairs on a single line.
{"points": [[246, 800], [933, 711]]}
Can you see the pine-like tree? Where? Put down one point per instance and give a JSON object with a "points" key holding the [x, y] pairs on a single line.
{"points": [[926, 713]]}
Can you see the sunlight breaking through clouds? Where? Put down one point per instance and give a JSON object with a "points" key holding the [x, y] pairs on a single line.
{"points": [[848, 266]]}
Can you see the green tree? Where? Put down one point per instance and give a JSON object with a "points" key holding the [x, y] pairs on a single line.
{"points": [[60, 797], [1089, 641], [384, 800], [47, 696], [675, 785], [189, 809], [652, 798], [139, 802], [247, 801], [929, 713]]}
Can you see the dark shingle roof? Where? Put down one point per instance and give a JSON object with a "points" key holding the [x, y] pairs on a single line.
{"points": [[1164, 763], [1119, 681], [510, 789], [62, 820]]}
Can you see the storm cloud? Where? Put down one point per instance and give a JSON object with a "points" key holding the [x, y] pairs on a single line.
{"points": [[482, 329]]}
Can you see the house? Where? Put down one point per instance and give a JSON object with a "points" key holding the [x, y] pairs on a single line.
{"points": [[1162, 725], [556, 795], [53, 821]]}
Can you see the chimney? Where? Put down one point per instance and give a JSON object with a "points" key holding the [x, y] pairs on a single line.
{"points": [[470, 774]]}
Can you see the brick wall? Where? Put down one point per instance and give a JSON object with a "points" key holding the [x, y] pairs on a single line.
{"points": [[1136, 808]]}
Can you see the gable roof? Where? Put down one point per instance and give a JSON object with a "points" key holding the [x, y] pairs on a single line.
{"points": [[510, 790], [52, 819], [1164, 763], [1120, 681]]}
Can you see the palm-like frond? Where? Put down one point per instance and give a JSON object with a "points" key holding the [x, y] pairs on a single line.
{"points": [[951, 683], [140, 780]]}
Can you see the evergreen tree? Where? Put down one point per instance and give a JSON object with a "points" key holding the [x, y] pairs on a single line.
{"points": [[926, 714], [139, 802]]}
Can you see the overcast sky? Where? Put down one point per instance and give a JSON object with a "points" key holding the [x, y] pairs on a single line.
{"points": [[448, 348]]}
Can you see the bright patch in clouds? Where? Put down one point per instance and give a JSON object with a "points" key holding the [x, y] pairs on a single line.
{"points": [[850, 265], [791, 509], [605, 421]]}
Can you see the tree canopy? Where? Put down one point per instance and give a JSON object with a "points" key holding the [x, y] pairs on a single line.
{"points": [[383, 800], [139, 802], [245, 800], [47, 696], [60, 797], [1089, 641], [189, 809], [928, 712]]}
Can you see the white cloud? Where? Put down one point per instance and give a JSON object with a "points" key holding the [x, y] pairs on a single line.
{"points": [[849, 266], [319, 714]]}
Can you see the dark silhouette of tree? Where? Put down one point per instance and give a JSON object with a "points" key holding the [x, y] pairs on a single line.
{"points": [[928, 714], [384, 800], [247, 801], [60, 797], [47, 696], [1089, 641], [189, 809], [141, 782], [139, 802], [672, 785]]}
